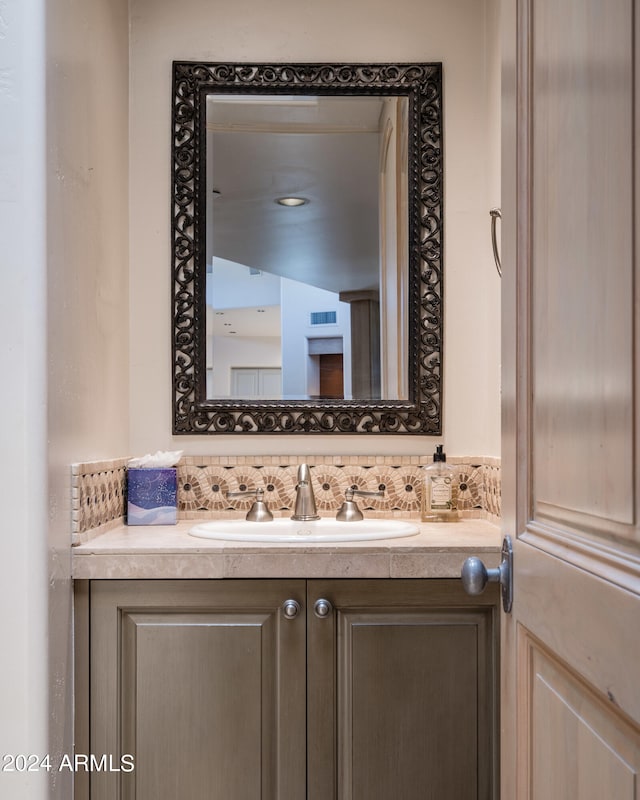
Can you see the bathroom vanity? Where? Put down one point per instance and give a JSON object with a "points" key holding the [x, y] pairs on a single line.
{"points": [[244, 670]]}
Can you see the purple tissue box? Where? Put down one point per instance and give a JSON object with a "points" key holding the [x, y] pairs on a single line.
{"points": [[152, 496]]}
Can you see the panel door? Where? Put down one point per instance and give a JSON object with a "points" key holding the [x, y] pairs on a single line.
{"points": [[270, 382], [401, 691], [202, 684], [571, 646]]}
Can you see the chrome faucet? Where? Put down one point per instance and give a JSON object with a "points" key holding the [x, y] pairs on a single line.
{"points": [[305, 509]]}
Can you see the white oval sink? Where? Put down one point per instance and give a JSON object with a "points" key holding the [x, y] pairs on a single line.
{"points": [[288, 530]]}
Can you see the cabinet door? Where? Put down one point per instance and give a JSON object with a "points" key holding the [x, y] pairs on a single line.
{"points": [[203, 684], [401, 691]]}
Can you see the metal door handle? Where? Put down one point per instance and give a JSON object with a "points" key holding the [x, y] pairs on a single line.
{"points": [[475, 575], [322, 608], [290, 609], [495, 214]]}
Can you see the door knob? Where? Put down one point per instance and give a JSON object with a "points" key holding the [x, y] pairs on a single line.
{"points": [[475, 575], [322, 608], [291, 609]]}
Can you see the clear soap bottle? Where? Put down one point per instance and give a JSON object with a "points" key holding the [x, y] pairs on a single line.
{"points": [[438, 500]]}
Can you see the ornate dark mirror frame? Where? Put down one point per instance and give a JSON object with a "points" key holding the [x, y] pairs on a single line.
{"points": [[192, 412]]}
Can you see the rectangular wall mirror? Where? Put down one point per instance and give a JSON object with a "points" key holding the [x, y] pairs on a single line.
{"points": [[307, 257]]}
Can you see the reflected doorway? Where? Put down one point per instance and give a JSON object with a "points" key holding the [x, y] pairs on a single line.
{"points": [[331, 370]]}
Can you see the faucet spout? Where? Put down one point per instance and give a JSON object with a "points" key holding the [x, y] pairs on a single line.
{"points": [[305, 509]]}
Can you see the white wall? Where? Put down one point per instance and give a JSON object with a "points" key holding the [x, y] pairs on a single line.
{"points": [[231, 285], [452, 31], [64, 333], [23, 588], [298, 301], [241, 351]]}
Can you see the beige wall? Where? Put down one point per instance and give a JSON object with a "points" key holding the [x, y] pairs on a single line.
{"points": [[457, 32], [87, 269]]}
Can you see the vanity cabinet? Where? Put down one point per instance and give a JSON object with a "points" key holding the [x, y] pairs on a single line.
{"points": [[216, 693], [401, 682]]}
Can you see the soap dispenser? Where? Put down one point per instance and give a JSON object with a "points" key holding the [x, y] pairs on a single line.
{"points": [[438, 503]]}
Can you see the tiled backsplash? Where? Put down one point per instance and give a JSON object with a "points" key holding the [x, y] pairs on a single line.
{"points": [[98, 495], [99, 487]]}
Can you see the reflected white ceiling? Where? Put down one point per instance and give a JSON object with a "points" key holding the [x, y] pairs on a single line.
{"points": [[325, 149], [234, 323]]}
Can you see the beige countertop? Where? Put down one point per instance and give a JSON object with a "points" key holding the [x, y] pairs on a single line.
{"points": [[168, 551]]}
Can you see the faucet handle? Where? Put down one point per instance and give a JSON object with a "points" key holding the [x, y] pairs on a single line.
{"points": [[258, 511], [348, 494], [349, 511]]}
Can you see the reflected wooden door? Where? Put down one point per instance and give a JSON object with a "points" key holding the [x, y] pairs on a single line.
{"points": [[331, 375], [571, 646]]}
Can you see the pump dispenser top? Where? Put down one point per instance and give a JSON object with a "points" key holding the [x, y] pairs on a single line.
{"points": [[439, 455]]}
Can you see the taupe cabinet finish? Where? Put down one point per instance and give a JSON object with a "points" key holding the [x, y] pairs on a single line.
{"points": [[203, 682], [218, 695]]}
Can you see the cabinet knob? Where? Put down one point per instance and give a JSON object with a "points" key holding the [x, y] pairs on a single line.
{"points": [[291, 609], [475, 575], [322, 608]]}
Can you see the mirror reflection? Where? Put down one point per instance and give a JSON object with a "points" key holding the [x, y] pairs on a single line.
{"points": [[306, 247], [389, 281]]}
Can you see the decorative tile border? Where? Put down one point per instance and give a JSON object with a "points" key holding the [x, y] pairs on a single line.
{"points": [[98, 496], [492, 498], [203, 484], [99, 488]]}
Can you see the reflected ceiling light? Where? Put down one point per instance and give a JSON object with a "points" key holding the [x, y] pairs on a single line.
{"points": [[291, 202]]}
